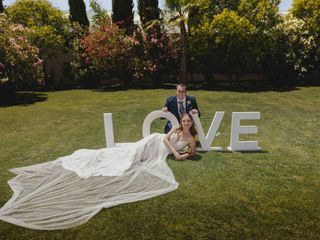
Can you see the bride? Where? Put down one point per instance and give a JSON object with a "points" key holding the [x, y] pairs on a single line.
{"points": [[70, 190]]}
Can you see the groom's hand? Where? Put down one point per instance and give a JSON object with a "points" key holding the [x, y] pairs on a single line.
{"points": [[193, 111], [165, 109]]}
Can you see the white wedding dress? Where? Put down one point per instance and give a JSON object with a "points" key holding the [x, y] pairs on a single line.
{"points": [[69, 191]]}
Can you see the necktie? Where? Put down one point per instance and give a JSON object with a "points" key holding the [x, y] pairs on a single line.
{"points": [[181, 108]]}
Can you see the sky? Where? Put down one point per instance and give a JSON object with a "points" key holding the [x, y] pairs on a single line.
{"points": [[63, 4]]}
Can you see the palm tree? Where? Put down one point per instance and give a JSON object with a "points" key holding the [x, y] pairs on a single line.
{"points": [[179, 17]]}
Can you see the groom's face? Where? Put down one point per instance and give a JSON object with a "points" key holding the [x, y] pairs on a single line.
{"points": [[181, 92]]}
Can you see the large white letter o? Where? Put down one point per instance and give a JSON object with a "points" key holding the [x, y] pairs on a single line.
{"points": [[154, 115]]}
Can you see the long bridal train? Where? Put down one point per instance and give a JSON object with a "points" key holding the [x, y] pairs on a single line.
{"points": [[69, 191]]}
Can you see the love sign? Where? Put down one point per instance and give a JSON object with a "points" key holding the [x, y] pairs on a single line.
{"points": [[205, 140]]}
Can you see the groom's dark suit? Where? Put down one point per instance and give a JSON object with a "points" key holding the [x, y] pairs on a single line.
{"points": [[172, 105]]}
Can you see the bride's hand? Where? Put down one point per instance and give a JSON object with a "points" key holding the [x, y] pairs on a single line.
{"points": [[185, 156], [178, 156]]}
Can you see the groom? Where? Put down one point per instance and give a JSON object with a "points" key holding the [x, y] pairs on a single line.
{"points": [[180, 104]]}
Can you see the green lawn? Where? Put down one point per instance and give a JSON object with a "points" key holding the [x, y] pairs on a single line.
{"points": [[274, 194]]}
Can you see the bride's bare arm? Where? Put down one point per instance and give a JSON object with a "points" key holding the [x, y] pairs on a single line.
{"points": [[192, 145], [169, 145]]}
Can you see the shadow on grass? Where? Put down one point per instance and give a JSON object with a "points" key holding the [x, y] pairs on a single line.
{"points": [[252, 89], [196, 157], [246, 87], [115, 88], [22, 98], [246, 152], [243, 86]]}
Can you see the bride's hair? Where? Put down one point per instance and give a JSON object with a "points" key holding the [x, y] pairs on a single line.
{"points": [[193, 131]]}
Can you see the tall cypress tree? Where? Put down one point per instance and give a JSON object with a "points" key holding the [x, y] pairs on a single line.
{"points": [[148, 10], [78, 12], [1, 6], [122, 14]]}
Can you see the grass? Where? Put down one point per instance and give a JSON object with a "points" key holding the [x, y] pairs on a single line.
{"points": [[273, 194]]}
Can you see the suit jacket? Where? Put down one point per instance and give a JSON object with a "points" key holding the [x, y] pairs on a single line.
{"points": [[172, 105]]}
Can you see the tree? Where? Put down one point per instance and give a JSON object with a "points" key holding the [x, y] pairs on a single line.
{"points": [[208, 8], [224, 44], [122, 14], [148, 10], [309, 11], [78, 12], [1, 6], [262, 13], [46, 22]]}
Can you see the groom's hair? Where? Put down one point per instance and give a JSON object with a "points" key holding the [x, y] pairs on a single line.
{"points": [[181, 85]]}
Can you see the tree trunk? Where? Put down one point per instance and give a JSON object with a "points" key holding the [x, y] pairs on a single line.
{"points": [[183, 62]]}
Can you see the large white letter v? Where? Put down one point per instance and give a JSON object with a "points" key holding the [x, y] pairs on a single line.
{"points": [[206, 141]]}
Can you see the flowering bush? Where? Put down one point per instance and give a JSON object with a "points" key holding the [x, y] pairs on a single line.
{"points": [[20, 65], [106, 52], [102, 53], [153, 55]]}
